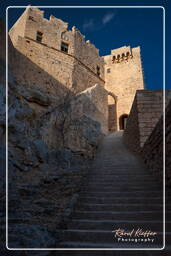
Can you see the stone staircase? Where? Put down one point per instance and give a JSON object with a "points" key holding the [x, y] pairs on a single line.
{"points": [[120, 193]]}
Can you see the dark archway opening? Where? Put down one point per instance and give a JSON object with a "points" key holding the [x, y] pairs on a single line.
{"points": [[123, 121]]}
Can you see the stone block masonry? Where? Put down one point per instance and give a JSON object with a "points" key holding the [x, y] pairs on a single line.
{"points": [[75, 64], [62, 53], [152, 151], [123, 77], [145, 113]]}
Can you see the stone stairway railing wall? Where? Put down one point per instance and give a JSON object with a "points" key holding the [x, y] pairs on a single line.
{"points": [[152, 151], [144, 131], [146, 111], [131, 134]]}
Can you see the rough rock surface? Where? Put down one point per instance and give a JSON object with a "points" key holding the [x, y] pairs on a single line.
{"points": [[49, 151]]}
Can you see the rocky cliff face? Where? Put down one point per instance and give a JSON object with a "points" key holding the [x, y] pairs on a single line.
{"points": [[49, 152]]}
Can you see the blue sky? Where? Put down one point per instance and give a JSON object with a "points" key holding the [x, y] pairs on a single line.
{"points": [[110, 28]]}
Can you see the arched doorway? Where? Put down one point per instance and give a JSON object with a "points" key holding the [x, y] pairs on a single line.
{"points": [[112, 112], [122, 121]]}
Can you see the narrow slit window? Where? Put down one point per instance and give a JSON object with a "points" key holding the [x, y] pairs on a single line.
{"points": [[98, 70], [113, 59], [64, 47], [39, 36]]}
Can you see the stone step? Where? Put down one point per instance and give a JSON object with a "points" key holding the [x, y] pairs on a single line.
{"points": [[123, 184], [123, 200], [120, 188], [114, 178], [111, 224], [119, 215], [110, 246], [122, 194], [105, 236], [112, 183], [122, 166], [121, 173], [119, 207]]}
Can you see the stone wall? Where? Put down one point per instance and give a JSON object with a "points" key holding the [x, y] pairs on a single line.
{"points": [[35, 77], [93, 103], [145, 113], [132, 133], [84, 78], [56, 64], [123, 76], [18, 28], [75, 69], [152, 152]]}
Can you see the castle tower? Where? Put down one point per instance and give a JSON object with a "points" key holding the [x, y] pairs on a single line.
{"points": [[59, 52], [123, 76], [57, 60]]}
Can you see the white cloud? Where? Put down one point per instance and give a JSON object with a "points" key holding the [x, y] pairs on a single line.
{"points": [[94, 25], [89, 25], [107, 18]]}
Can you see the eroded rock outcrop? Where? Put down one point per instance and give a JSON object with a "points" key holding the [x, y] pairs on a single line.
{"points": [[49, 150]]}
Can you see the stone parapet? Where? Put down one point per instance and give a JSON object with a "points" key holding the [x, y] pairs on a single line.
{"points": [[152, 151], [146, 111]]}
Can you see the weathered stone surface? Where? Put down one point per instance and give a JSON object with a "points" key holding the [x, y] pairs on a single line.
{"points": [[45, 64], [152, 151], [92, 102], [82, 135], [145, 113], [123, 77], [40, 171], [38, 97], [27, 236], [76, 69]]}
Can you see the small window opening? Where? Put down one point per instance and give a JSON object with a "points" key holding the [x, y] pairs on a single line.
{"points": [[114, 58], [31, 18], [39, 36], [64, 47], [98, 70], [108, 70]]}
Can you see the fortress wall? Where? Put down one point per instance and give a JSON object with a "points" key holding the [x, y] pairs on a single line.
{"points": [[18, 28], [123, 76], [85, 69], [150, 109], [82, 57], [152, 151], [131, 133], [32, 70], [87, 53], [83, 78], [58, 65], [53, 29], [146, 111]]}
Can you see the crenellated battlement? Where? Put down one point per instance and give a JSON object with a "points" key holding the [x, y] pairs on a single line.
{"points": [[33, 32], [121, 54], [35, 15], [54, 33], [74, 62]]}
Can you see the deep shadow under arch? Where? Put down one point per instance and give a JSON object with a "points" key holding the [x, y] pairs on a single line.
{"points": [[122, 121]]}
